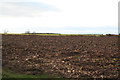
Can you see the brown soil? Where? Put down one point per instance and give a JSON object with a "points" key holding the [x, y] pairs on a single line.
{"points": [[64, 56]]}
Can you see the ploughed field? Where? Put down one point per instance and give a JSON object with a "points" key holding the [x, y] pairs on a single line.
{"points": [[61, 56]]}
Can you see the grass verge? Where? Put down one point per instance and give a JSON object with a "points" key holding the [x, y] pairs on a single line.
{"points": [[7, 74]]}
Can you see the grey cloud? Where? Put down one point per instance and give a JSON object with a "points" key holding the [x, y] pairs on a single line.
{"points": [[25, 8]]}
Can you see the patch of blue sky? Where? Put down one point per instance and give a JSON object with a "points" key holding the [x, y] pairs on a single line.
{"points": [[92, 28], [76, 30]]}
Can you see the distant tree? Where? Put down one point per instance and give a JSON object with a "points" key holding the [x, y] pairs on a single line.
{"points": [[59, 34], [108, 34], [34, 32], [27, 32], [5, 31]]}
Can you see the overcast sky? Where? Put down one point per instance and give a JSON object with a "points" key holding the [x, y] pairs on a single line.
{"points": [[59, 16]]}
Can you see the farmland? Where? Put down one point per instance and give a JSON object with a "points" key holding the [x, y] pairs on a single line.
{"points": [[61, 56]]}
